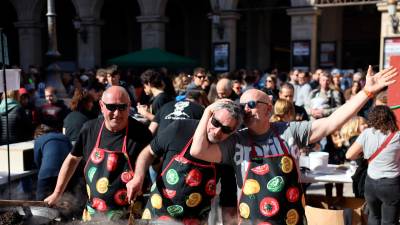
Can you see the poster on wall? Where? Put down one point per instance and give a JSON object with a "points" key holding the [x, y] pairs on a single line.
{"points": [[221, 57], [391, 47], [327, 54], [301, 54]]}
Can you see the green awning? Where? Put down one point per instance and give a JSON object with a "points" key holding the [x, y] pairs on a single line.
{"points": [[153, 57]]}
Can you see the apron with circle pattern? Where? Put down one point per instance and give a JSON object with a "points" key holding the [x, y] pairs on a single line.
{"points": [[271, 191], [183, 191], [106, 174]]}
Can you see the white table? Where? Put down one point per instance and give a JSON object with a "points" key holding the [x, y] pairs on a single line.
{"points": [[21, 157], [15, 176], [333, 174]]}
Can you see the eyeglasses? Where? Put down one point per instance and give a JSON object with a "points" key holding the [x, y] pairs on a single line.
{"points": [[113, 107], [252, 104], [224, 129], [201, 77]]}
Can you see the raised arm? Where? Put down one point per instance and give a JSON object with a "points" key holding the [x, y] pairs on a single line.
{"points": [[374, 83], [67, 170], [201, 148], [143, 162]]}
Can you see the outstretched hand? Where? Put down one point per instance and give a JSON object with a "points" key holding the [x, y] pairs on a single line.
{"points": [[375, 82]]}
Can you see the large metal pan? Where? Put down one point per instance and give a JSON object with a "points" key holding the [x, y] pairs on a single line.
{"points": [[33, 212]]}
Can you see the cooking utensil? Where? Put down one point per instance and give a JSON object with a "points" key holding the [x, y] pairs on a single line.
{"points": [[131, 220], [22, 203]]}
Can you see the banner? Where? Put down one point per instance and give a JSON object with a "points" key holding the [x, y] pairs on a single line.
{"points": [[13, 77]]}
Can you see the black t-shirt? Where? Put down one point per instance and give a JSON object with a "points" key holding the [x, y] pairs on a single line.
{"points": [[171, 142], [181, 110], [138, 137], [159, 101], [73, 123]]}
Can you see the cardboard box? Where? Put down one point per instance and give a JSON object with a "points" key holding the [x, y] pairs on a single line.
{"points": [[321, 210]]}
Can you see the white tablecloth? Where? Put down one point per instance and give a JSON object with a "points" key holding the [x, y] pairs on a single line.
{"points": [[332, 174]]}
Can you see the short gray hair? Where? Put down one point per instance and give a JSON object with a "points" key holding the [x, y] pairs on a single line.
{"points": [[234, 109]]}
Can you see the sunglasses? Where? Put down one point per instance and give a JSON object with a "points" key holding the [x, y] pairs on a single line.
{"points": [[252, 104], [201, 77], [113, 107], [224, 129]]}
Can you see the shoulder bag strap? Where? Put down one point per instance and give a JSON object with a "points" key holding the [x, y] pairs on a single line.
{"points": [[376, 153]]}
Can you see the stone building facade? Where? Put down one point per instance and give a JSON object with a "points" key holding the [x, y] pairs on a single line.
{"points": [[260, 34]]}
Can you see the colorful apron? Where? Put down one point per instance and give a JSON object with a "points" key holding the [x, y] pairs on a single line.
{"points": [[183, 191], [271, 191], [106, 174]]}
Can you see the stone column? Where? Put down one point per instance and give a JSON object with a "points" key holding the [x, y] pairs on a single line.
{"points": [[331, 30], [386, 29], [89, 43], [153, 31], [226, 32], [30, 43], [304, 26]]}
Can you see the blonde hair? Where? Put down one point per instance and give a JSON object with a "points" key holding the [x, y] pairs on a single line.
{"points": [[283, 108], [352, 127], [180, 82]]}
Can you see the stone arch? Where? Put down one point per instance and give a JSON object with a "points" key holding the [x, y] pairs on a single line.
{"points": [[66, 33], [119, 34], [225, 4], [152, 7], [263, 34], [188, 31], [88, 8], [28, 9]]}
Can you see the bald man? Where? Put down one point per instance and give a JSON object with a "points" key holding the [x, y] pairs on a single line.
{"points": [[224, 89], [266, 171], [109, 147]]}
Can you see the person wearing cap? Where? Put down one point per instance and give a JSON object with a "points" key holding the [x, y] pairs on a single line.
{"points": [[28, 106]]}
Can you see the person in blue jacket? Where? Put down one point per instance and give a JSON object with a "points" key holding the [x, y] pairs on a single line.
{"points": [[50, 149]]}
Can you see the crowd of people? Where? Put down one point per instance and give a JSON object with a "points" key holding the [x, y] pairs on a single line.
{"points": [[163, 142]]}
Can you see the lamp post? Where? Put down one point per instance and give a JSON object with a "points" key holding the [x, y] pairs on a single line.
{"points": [[216, 21], [53, 77], [392, 10], [51, 27], [83, 35]]}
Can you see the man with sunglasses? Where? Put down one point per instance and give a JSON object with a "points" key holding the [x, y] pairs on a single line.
{"points": [[186, 186], [266, 172], [109, 147], [199, 76]]}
